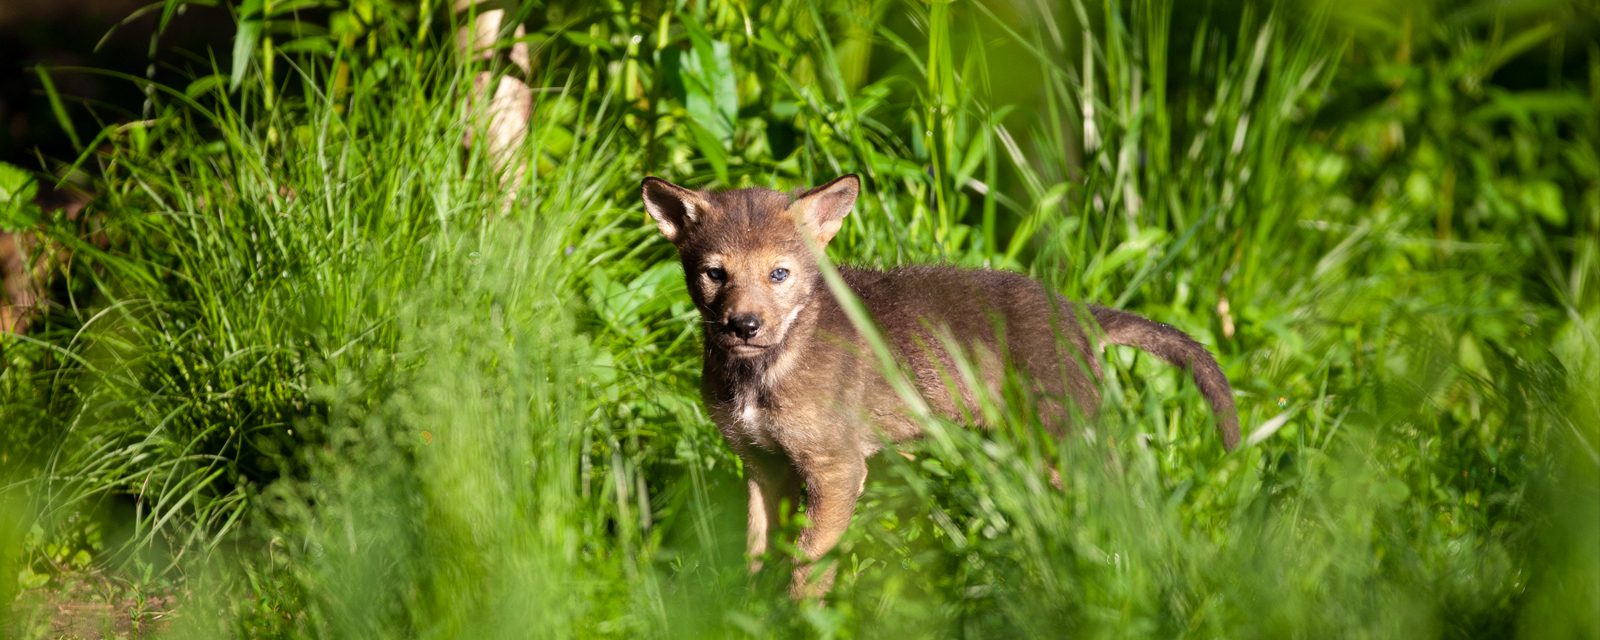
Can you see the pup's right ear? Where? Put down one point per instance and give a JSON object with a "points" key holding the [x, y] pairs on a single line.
{"points": [[674, 208]]}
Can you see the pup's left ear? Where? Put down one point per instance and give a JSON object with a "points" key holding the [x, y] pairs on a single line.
{"points": [[822, 210]]}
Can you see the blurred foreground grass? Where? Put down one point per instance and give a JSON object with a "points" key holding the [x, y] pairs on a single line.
{"points": [[321, 387]]}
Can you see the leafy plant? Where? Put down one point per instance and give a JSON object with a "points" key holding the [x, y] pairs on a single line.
{"points": [[342, 397]]}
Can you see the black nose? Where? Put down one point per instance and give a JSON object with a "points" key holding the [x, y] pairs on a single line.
{"points": [[744, 326]]}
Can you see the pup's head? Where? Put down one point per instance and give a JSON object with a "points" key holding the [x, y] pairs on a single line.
{"points": [[745, 257]]}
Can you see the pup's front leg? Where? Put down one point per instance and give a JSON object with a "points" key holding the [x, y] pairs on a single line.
{"points": [[832, 487], [774, 487]]}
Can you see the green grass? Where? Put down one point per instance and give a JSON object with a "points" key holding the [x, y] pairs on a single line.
{"points": [[320, 381]]}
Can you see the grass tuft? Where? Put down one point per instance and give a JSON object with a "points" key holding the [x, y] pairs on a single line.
{"points": [[314, 376]]}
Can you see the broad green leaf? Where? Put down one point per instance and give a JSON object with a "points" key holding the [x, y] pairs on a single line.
{"points": [[1047, 208], [712, 148], [897, 166], [203, 85], [712, 96], [16, 184], [1544, 198], [17, 188], [1394, 491], [1139, 245], [27, 579], [284, 7], [585, 40], [768, 40], [244, 45], [311, 44], [557, 140], [1470, 357]]}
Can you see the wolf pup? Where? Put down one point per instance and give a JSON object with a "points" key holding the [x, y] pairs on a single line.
{"points": [[794, 387]]}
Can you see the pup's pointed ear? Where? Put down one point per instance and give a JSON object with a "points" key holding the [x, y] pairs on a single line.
{"points": [[822, 210], [674, 208]]}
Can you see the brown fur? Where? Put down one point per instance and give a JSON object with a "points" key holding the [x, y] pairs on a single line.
{"points": [[802, 400]]}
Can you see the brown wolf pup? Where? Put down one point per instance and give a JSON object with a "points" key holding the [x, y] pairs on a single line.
{"points": [[794, 387]]}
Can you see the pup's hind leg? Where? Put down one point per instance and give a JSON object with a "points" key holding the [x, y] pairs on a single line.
{"points": [[832, 487]]}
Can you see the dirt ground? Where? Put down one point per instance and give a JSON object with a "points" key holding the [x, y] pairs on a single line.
{"points": [[89, 606]]}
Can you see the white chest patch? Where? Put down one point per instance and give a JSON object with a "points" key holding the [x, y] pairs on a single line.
{"points": [[753, 422]]}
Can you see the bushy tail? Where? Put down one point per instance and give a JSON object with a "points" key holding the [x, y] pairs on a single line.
{"points": [[1178, 348]]}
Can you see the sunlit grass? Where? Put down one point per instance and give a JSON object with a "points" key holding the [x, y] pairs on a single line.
{"points": [[323, 382]]}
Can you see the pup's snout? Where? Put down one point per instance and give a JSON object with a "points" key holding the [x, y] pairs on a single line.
{"points": [[744, 326]]}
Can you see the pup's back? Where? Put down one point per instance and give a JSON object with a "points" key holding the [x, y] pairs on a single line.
{"points": [[997, 319]]}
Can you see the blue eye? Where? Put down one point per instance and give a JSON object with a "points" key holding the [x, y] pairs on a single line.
{"points": [[779, 275], [716, 275]]}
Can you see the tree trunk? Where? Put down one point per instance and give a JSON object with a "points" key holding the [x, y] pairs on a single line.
{"points": [[26, 264], [509, 98]]}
